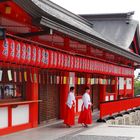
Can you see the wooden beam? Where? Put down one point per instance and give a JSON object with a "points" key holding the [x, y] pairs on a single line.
{"points": [[31, 34], [4, 0]]}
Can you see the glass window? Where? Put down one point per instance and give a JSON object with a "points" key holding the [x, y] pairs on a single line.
{"points": [[10, 91], [11, 87]]}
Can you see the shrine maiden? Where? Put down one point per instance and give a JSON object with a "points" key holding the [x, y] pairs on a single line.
{"points": [[85, 117], [70, 104]]}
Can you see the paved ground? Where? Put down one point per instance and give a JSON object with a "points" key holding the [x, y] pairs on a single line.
{"points": [[58, 131], [130, 132], [92, 137], [45, 133]]}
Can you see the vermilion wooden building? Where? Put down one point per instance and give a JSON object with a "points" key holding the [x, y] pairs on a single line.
{"points": [[45, 49]]}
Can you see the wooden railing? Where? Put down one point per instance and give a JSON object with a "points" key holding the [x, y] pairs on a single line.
{"points": [[111, 107]]}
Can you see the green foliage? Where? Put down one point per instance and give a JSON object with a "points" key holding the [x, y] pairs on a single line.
{"points": [[137, 87]]}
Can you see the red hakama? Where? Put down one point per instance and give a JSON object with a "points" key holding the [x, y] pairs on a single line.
{"points": [[70, 116], [85, 115]]}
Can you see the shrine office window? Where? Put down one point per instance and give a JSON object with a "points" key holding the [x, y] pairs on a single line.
{"points": [[9, 89]]}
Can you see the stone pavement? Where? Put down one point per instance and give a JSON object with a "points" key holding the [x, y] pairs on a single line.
{"points": [[45, 133], [104, 130], [93, 137], [58, 131]]}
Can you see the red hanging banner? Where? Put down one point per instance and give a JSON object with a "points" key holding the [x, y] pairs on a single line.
{"points": [[59, 60], [33, 55], [20, 76], [51, 58], [23, 53], [80, 64], [47, 59], [91, 65], [55, 59], [11, 50], [88, 65], [85, 65], [38, 60], [62, 61], [15, 76], [42, 64], [65, 61], [17, 51], [4, 49], [71, 62], [74, 63], [28, 54]]}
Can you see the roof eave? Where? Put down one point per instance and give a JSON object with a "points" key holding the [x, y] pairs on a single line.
{"points": [[86, 35], [91, 40]]}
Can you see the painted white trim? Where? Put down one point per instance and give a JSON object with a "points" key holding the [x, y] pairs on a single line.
{"points": [[20, 115], [106, 98], [111, 97]]}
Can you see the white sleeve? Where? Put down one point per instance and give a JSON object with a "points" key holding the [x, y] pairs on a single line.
{"points": [[73, 98], [89, 100], [85, 101], [70, 99]]}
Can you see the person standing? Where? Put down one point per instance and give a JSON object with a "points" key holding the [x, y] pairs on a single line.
{"points": [[85, 117], [69, 119]]}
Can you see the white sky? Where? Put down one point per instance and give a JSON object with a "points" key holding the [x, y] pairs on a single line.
{"points": [[101, 6]]}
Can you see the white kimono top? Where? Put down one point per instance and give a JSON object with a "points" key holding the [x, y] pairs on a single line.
{"points": [[86, 100], [70, 99]]}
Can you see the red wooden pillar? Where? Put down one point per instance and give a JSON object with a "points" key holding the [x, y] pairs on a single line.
{"points": [[88, 83], [133, 87], [32, 95], [125, 87], [9, 116], [102, 92], [64, 90], [115, 90]]}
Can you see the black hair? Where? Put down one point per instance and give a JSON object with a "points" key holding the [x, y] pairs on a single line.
{"points": [[72, 88], [86, 88]]}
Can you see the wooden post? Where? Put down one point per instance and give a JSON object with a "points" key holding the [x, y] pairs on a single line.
{"points": [[102, 92], [133, 93], [32, 94], [125, 86], [115, 90], [64, 90]]}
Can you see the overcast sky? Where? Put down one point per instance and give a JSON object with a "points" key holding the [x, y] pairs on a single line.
{"points": [[101, 6]]}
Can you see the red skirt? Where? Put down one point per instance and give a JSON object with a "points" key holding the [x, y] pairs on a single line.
{"points": [[70, 116], [85, 116]]}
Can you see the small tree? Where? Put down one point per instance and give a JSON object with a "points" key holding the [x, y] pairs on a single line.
{"points": [[137, 87]]}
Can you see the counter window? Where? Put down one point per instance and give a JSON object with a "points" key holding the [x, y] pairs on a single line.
{"points": [[9, 91]]}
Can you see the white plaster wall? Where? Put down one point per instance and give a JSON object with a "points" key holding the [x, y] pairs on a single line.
{"points": [[20, 115], [3, 117]]}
